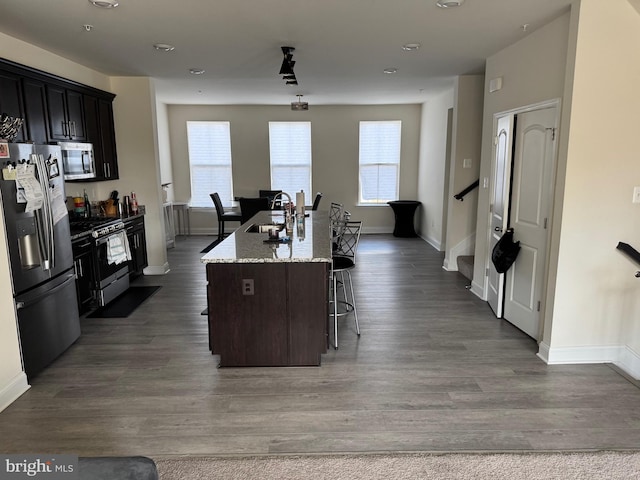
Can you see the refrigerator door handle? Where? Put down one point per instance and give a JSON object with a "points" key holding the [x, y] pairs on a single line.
{"points": [[49, 257]]}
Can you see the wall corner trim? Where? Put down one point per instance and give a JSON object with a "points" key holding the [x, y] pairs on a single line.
{"points": [[13, 390], [620, 355]]}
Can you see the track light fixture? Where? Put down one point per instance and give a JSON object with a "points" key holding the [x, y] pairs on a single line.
{"points": [[286, 69]]}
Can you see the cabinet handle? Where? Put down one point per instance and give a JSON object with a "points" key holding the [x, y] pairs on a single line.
{"points": [[109, 169], [64, 129], [73, 129], [104, 170], [81, 269]]}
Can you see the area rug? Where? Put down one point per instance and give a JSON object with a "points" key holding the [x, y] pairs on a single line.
{"points": [[125, 304], [458, 466], [210, 246]]}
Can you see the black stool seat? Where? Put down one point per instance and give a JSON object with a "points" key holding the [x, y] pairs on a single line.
{"points": [[342, 263], [404, 211]]}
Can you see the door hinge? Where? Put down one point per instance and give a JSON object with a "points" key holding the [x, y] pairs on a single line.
{"points": [[495, 140], [486, 272], [545, 223], [538, 305]]}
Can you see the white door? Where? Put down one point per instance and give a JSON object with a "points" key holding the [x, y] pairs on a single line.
{"points": [[499, 205], [531, 191]]}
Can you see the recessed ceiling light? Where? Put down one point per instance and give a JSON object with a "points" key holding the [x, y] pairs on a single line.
{"points": [[196, 71], [410, 47], [449, 3], [390, 70], [104, 3], [164, 47]]}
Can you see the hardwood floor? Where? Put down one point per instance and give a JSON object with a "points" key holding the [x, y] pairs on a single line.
{"points": [[434, 370]]}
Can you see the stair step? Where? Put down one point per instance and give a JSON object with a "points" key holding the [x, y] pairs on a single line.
{"points": [[465, 265]]}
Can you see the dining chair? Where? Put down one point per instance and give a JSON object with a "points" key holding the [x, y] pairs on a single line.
{"points": [[270, 194], [316, 201], [222, 215], [249, 206], [343, 261]]}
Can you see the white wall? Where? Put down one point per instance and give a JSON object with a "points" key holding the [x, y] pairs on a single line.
{"points": [[13, 381], [533, 70], [466, 143], [432, 173], [138, 160], [596, 307], [334, 143]]}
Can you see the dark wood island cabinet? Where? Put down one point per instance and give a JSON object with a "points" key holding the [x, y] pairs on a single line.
{"points": [[268, 303]]}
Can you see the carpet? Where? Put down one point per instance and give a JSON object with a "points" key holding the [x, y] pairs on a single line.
{"points": [[210, 246], [125, 304], [458, 466]]}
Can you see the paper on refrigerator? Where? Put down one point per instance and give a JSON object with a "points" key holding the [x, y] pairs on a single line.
{"points": [[29, 190]]}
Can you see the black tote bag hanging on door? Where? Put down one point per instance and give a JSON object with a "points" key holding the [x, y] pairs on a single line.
{"points": [[505, 252]]}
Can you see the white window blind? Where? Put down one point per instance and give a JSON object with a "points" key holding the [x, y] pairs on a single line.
{"points": [[210, 162], [290, 154], [379, 161]]}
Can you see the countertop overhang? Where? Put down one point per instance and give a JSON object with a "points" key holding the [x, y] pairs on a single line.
{"points": [[314, 245]]}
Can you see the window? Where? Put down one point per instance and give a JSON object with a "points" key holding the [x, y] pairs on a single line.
{"points": [[210, 162], [290, 153], [379, 161]]}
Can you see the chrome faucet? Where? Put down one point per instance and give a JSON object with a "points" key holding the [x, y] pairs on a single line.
{"points": [[288, 216]]}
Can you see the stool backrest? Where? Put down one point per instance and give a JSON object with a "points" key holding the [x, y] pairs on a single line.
{"points": [[348, 239]]}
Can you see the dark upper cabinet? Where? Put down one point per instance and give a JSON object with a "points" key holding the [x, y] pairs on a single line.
{"points": [[55, 109], [35, 107], [100, 133], [66, 114], [11, 100]]}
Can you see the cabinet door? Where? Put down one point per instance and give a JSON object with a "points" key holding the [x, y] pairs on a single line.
{"points": [[75, 115], [108, 134], [35, 106], [58, 124], [11, 100], [84, 280]]}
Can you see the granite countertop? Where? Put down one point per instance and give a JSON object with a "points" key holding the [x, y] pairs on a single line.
{"points": [[245, 247]]}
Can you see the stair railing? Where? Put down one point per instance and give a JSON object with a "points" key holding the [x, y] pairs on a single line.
{"points": [[460, 196]]}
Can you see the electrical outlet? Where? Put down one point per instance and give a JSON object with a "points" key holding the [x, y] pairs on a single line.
{"points": [[466, 163], [636, 195], [247, 286]]}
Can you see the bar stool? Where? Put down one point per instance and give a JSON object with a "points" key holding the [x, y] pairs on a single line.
{"points": [[343, 261]]}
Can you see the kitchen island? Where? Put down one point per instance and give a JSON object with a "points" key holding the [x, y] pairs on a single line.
{"points": [[268, 302]]}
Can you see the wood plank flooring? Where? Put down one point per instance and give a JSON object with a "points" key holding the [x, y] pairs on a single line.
{"points": [[434, 370]]}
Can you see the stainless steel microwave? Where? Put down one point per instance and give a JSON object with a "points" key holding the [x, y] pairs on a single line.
{"points": [[78, 161]]}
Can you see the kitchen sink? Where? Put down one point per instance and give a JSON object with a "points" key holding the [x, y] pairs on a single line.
{"points": [[264, 227]]}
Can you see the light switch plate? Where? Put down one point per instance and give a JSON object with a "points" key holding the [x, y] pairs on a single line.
{"points": [[636, 195], [466, 163]]}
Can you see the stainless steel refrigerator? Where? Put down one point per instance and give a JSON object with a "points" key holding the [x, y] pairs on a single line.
{"points": [[39, 246]]}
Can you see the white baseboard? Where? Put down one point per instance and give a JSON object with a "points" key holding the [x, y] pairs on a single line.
{"points": [[621, 356], [13, 390], [465, 247], [157, 269], [478, 291], [629, 361], [432, 241]]}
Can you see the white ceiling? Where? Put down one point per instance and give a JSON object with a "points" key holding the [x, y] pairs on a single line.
{"points": [[341, 46]]}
